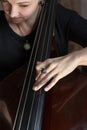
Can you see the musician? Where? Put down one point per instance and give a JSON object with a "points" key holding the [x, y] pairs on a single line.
{"points": [[18, 24]]}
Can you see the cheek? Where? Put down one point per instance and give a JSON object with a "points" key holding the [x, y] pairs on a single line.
{"points": [[26, 13], [29, 12]]}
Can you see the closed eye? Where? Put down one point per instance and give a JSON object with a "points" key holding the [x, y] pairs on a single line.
{"points": [[24, 5]]}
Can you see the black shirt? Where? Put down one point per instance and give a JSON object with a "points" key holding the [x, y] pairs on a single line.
{"points": [[12, 51]]}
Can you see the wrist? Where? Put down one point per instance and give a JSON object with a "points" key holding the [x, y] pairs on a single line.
{"points": [[81, 57], [75, 57]]}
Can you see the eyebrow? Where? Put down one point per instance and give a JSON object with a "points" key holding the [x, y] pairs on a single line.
{"points": [[24, 2]]}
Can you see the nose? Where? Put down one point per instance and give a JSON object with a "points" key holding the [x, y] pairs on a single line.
{"points": [[14, 12]]}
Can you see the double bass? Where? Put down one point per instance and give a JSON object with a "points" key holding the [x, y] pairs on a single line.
{"points": [[62, 108]]}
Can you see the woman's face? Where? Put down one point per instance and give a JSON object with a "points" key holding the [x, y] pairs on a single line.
{"points": [[17, 11]]}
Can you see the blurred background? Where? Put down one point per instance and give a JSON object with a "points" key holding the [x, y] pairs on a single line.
{"points": [[81, 7], [78, 5]]}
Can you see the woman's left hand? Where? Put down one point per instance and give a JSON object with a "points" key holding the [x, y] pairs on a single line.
{"points": [[53, 70]]}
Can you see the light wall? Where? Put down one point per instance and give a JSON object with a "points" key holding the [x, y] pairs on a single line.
{"points": [[0, 5], [84, 8]]}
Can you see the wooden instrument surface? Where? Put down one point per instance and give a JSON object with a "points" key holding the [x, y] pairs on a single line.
{"points": [[65, 105]]}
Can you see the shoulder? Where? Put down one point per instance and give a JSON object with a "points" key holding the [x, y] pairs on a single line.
{"points": [[61, 10], [65, 16]]}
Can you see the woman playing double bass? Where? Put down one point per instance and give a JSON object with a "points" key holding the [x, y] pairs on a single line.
{"points": [[18, 24]]}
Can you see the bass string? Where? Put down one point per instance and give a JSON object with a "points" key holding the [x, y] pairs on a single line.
{"points": [[40, 92], [40, 89], [16, 117], [32, 103], [32, 71], [26, 98]]}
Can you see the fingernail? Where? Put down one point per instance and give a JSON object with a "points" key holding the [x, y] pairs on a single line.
{"points": [[35, 88], [45, 89]]}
